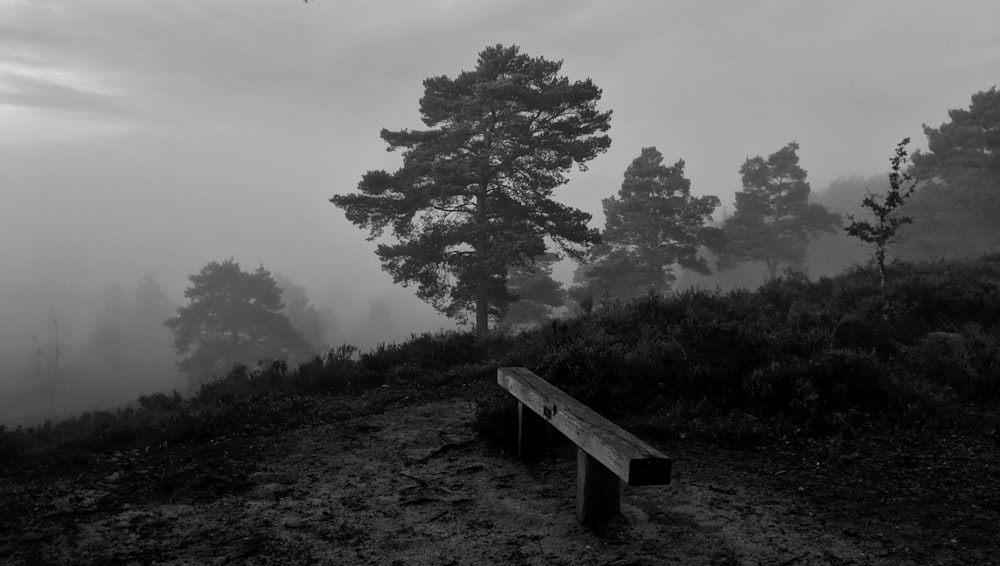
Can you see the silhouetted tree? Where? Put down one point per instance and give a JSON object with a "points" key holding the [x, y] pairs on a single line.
{"points": [[152, 306], [774, 220], [884, 209], [831, 254], [538, 294], [474, 194], [231, 317], [107, 343], [150, 310], [313, 324], [152, 358], [653, 225], [129, 348], [48, 358], [959, 201]]}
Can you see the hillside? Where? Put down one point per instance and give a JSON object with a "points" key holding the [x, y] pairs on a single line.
{"points": [[396, 477], [810, 423]]}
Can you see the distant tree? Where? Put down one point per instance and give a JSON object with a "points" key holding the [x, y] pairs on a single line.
{"points": [[48, 358], [885, 211], [108, 342], [313, 324], [609, 274], [774, 220], [58, 344], [474, 194], [231, 317], [831, 254], [151, 308], [959, 201], [653, 225], [844, 193], [152, 360], [537, 293], [129, 348]]}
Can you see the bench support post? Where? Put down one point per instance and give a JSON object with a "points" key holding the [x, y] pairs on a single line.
{"points": [[534, 434], [607, 454], [598, 490]]}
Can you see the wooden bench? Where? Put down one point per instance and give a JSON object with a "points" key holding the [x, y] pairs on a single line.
{"points": [[607, 454]]}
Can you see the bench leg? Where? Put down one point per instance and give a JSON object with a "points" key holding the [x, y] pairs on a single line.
{"points": [[598, 490], [534, 434]]}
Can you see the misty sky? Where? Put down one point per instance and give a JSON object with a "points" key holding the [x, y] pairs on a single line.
{"points": [[157, 136]]}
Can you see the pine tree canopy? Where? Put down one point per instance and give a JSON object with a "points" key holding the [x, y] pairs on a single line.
{"points": [[653, 225], [774, 220], [474, 195], [232, 316]]}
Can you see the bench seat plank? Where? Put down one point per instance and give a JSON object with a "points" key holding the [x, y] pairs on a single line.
{"points": [[634, 461]]}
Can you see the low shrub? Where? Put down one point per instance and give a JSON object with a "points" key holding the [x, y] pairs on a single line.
{"points": [[430, 352], [11, 444], [688, 420], [965, 362], [496, 419], [160, 403], [819, 357]]}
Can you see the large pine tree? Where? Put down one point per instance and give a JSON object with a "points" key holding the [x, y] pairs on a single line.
{"points": [[475, 193], [956, 211]]}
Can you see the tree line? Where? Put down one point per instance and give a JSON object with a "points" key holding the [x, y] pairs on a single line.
{"points": [[474, 226], [471, 221]]}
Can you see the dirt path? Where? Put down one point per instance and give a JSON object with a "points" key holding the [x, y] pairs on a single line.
{"points": [[411, 485]]}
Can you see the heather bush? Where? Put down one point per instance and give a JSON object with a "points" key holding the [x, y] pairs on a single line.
{"points": [[496, 419], [965, 362], [822, 357], [430, 352], [335, 372], [11, 443], [160, 403], [690, 420], [812, 391], [946, 298]]}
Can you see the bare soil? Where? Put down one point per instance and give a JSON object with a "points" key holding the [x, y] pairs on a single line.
{"points": [[399, 477]]}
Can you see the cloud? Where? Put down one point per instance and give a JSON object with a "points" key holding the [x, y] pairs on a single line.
{"points": [[197, 61], [59, 91], [154, 61]]}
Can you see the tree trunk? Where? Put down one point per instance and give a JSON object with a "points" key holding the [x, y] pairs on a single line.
{"points": [[482, 310], [880, 261], [482, 286]]}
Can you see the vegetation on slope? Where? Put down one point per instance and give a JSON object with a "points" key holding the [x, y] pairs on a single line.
{"points": [[820, 359]]}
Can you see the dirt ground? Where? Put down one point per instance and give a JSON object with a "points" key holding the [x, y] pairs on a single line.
{"points": [[396, 479]]}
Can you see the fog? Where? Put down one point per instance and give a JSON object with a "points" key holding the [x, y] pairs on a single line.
{"points": [[141, 141]]}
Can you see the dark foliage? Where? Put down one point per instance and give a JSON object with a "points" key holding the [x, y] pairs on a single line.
{"points": [[810, 354], [232, 316], [538, 294], [255, 398], [653, 225], [885, 211], [774, 220], [955, 213], [819, 359], [474, 196]]}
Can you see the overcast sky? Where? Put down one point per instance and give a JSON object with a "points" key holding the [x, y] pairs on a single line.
{"points": [[156, 136]]}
